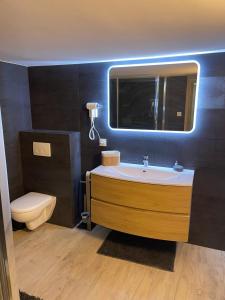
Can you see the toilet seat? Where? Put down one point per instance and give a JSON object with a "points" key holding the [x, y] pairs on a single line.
{"points": [[30, 202]]}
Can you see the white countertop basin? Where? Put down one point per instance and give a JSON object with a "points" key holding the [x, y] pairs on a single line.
{"points": [[151, 174]]}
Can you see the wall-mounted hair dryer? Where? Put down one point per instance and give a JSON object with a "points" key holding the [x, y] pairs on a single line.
{"points": [[93, 108]]}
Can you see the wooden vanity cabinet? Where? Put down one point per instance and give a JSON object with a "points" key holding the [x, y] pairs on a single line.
{"points": [[149, 210]]}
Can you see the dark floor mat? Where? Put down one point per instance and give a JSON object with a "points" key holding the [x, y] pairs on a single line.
{"points": [[151, 252], [24, 296]]}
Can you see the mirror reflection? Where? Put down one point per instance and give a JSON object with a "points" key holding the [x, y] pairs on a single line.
{"points": [[153, 97]]}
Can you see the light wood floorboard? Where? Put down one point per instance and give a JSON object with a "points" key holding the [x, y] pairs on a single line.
{"points": [[58, 263]]}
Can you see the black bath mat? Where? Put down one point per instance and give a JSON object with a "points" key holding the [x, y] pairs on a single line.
{"points": [[24, 296], [151, 252]]}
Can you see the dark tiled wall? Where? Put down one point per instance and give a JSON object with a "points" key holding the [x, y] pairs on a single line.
{"points": [[92, 88], [207, 227], [16, 116], [54, 94]]}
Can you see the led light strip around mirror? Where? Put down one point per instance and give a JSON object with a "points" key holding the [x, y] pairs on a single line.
{"points": [[153, 64]]}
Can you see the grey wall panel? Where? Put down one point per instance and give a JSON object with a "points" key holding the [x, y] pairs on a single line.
{"points": [[58, 175], [16, 116]]}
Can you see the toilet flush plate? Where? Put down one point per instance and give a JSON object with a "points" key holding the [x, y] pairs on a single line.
{"points": [[42, 149]]}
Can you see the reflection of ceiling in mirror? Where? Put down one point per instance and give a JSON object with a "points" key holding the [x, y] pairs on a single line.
{"points": [[154, 70]]}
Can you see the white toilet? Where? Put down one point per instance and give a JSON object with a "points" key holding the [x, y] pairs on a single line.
{"points": [[34, 209]]}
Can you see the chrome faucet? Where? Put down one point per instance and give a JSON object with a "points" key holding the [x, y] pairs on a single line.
{"points": [[145, 161]]}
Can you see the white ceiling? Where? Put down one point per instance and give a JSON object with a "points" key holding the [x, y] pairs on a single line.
{"points": [[42, 32]]}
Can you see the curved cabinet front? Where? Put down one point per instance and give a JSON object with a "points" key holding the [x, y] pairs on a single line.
{"points": [[165, 198], [140, 222], [149, 210]]}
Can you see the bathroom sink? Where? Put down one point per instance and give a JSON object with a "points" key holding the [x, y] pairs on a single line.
{"points": [[151, 174]]}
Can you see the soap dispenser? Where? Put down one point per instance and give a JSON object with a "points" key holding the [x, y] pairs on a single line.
{"points": [[177, 167]]}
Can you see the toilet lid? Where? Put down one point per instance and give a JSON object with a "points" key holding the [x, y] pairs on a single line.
{"points": [[30, 201]]}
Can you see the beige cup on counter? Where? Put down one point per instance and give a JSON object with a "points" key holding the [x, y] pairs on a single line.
{"points": [[110, 158]]}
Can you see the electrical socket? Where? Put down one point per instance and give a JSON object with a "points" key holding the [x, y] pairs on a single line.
{"points": [[103, 142]]}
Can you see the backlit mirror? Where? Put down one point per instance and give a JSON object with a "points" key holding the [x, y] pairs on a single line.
{"points": [[153, 97]]}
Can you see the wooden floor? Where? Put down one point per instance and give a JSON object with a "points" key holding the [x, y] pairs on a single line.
{"points": [[60, 263]]}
